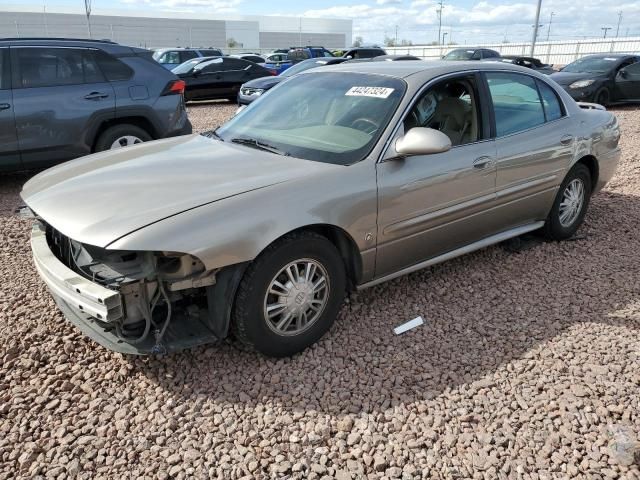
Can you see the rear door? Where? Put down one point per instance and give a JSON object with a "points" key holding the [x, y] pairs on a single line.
{"points": [[628, 82], [535, 140], [9, 153], [59, 96]]}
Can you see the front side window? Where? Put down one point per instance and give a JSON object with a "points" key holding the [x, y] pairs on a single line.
{"points": [[4, 69], [50, 67], [459, 54], [451, 107], [632, 72], [516, 102], [170, 57], [327, 117]]}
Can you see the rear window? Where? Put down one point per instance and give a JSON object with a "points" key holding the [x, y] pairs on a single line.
{"points": [[112, 68]]}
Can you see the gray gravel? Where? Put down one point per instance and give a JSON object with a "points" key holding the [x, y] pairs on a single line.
{"points": [[527, 367]]}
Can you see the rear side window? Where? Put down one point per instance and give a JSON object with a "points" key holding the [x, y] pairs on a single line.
{"points": [[187, 55], [112, 68], [550, 101], [5, 82], [516, 102], [253, 58], [50, 67], [235, 64], [489, 54], [211, 53]]}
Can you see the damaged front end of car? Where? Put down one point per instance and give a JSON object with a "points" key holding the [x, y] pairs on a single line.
{"points": [[135, 301]]}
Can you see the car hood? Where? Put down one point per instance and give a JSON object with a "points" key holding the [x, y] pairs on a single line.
{"points": [[103, 197], [567, 78], [264, 82]]}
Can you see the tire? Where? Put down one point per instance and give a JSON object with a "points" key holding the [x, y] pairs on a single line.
{"points": [[602, 97], [557, 229], [111, 135], [250, 321]]}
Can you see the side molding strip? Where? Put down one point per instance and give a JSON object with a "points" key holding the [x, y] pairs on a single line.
{"points": [[472, 247]]}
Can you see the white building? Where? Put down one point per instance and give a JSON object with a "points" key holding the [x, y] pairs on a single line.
{"points": [[251, 32]]}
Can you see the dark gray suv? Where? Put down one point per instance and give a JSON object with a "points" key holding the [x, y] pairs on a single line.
{"points": [[61, 99]]}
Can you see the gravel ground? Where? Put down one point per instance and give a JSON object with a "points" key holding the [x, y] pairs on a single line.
{"points": [[527, 367]]}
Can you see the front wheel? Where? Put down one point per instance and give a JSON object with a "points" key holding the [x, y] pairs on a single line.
{"points": [[290, 295], [602, 97], [570, 205]]}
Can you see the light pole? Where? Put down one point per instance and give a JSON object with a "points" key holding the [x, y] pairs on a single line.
{"points": [[441, 4], [619, 22], [549, 27], [396, 41], [87, 10], [605, 30], [535, 27]]}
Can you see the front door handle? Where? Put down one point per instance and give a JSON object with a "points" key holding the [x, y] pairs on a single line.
{"points": [[96, 96], [4, 106], [566, 140], [483, 162]]}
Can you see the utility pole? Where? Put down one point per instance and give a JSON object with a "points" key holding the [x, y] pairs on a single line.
{"points": [[396, 42], [619, 22], [441, 4], [535, 28], [46, 25], [87, 10], [549, 27], [605, 30]]}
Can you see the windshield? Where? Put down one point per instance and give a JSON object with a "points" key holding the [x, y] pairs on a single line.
{"points": [[302, 66], [186, 66], [326, 117], [459, 54], [592, 65]]}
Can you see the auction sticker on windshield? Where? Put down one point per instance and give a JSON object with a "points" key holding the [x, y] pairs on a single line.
{"points": [[377, 92]]}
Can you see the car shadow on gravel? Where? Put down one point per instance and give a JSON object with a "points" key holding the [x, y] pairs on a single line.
{"points": [[482, 312]]}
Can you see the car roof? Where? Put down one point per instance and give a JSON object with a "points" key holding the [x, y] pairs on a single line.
{"points": [[611, 55], [106, 45], [431, 68]]}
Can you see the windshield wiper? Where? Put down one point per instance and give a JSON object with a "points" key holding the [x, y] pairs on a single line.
{"points": [[212, 133], [255, 143]]}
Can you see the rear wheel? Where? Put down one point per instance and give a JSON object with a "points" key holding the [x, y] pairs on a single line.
{"points": [[290, 295], [570, 205], [119, 136]]}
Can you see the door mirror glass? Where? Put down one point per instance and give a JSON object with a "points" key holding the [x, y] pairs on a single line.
{"points": [[423, 141], [622, 73]]}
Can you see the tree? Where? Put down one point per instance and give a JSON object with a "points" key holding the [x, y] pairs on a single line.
{"points": [[405, 42], [389, 42], [231, 43], [358, 42]]}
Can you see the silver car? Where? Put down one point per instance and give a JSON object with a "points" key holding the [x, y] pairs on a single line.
{"points": [[339, 179]]}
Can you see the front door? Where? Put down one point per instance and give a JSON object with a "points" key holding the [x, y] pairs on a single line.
{"points": [[9, 152], [432, 204], [535, 141], [628, 82], [58, 93]]}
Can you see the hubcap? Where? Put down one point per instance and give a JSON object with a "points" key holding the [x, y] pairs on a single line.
{"points": [[296, 297], [572, 200], [125, 141]]}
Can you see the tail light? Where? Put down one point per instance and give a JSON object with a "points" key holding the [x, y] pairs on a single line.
{"points": [[274, 72], [175, 87]]}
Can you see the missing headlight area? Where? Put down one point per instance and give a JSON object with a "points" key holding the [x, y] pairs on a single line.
{"points": [[165, 296]]}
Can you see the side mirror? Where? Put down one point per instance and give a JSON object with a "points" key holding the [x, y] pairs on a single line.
{"points": [[423, 141], [622, 73]]}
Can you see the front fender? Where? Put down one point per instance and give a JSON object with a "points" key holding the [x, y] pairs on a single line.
{"points": [[237, 229]]}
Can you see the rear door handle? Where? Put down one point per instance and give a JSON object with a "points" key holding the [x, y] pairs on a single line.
{"points": [[96, 96], [566, 140], [4, 106], [483, 162]]}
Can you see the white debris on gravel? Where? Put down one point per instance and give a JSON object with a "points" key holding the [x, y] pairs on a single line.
{"points": [[529, 369], [411, 324]]}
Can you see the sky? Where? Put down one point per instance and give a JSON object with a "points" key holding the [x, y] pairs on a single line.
{"points": [[463, 21]]}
